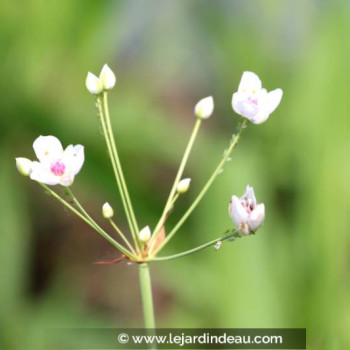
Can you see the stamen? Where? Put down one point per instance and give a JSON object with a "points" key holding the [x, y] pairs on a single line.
{"points": [[246, 205], [253, 100], [58, 168]]}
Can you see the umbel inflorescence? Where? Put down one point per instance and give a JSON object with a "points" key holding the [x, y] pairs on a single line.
{"points": [[58, 166]]}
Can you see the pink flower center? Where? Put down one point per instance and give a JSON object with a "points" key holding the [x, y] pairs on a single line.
{"points": [[253, 100], [58, 168], [248, 207]]}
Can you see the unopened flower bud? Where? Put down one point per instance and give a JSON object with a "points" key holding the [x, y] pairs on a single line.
{"points": [[145, 234], [93, 84], [107, 211], [24, 166], [183, 186], [107, 78], [204, 108]]}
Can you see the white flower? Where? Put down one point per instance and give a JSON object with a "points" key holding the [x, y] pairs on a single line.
{"points": [[55, 166], [145, 234], [204, 108], [252, 101], [93, 84], [247, 215], [183, 186], [24, 166], [107, 78], [107, 211]]}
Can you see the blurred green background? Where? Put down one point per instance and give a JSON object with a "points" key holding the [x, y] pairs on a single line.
{"points": [[167, 55]]}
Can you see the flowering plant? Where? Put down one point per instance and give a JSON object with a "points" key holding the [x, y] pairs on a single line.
{"points": [[58, 166]]}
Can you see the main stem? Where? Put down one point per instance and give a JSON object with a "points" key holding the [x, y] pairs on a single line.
{"points": [[146, 294]]}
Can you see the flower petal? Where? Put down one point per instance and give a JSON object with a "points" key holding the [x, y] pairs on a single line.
{"points": [[260, 117], [269, 103], [242, 106], [256, 217], [235, 100], [43, 175], [237, 211], [249, 196], [273, 99], [249, 82], [47, 149], [66, 179], [73, 158]]}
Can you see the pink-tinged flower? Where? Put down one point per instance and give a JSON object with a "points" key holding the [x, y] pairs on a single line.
{"points": [[55, 165], [253, 102], [247, 215]]}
